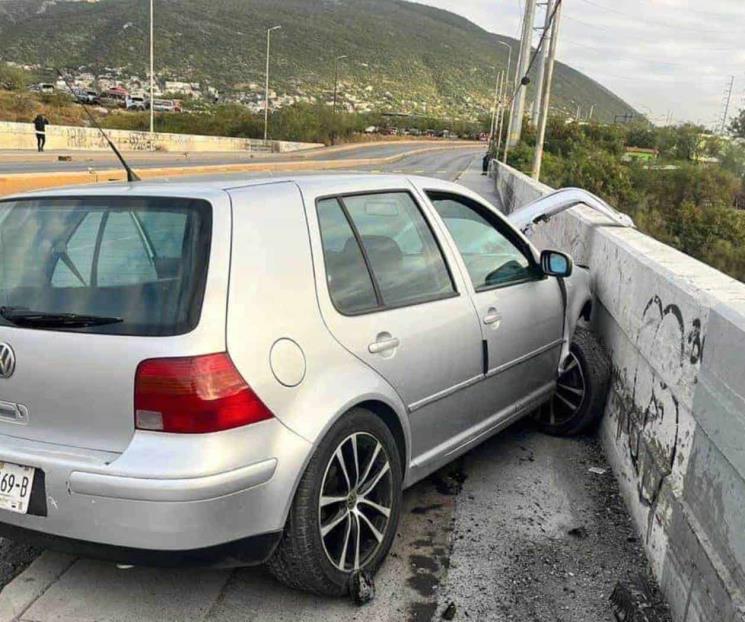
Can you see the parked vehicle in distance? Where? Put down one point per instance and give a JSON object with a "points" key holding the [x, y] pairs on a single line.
{"points": [[86, 96], [45, 88], [115, 97], [137, 102], [166, 105], [248, 372]]}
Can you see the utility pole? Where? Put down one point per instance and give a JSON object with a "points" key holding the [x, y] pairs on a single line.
{"points": [[336, 87], [495, 106], [546, 99], [541, 66], [518, 102], [152, 76], [266, 86], [728, 100]]}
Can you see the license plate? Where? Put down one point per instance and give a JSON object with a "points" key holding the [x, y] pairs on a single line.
{"points": [[15, 487]]}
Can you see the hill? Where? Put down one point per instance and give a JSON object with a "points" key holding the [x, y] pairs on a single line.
{"points": [[401, 56]]}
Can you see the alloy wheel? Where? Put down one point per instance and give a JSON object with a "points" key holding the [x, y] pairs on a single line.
{"points": [[569, 395], [355, 501]]}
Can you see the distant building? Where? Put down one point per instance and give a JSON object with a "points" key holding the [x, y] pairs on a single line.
{"points": [[640, 153]]}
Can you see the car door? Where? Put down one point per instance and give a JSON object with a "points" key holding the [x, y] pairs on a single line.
{"points": [[521, 310], [391, 299]]}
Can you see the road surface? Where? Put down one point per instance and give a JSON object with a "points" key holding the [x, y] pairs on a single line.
{"points": [[519, 529], [32, 162]]}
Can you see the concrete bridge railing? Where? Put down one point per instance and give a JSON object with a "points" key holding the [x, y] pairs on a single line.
{"points": [[674, 427], [22, 136]]}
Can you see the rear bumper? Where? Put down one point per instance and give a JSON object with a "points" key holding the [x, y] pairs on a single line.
{"points": [[245, 552], [185, 494], [185, 489]]}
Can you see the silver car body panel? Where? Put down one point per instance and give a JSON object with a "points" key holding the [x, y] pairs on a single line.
{"points": [[267, 304], [549, 205]]}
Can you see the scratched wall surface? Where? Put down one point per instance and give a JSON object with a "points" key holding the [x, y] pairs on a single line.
{"points": [[674, 426], [22, 136]]}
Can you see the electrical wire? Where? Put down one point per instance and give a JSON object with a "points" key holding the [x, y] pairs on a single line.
{"points": [[538, 49]]}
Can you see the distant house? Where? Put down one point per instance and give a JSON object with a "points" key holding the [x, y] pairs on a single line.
{"points": [[640, 153]]}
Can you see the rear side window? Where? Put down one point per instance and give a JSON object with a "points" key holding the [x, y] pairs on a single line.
{"points": [[349, 282], [380, 248], [141, 261]]}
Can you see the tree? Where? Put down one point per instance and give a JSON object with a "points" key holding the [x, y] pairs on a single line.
{"points": [[13, 78], [737, 127]]}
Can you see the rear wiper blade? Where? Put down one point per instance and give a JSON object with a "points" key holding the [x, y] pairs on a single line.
{"points": [[40, 319]]}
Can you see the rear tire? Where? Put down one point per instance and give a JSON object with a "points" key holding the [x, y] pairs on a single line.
{"points": [[318, 550], [579, 401]]}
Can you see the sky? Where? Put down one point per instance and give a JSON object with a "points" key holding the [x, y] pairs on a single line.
{"points": [[662, 56]]}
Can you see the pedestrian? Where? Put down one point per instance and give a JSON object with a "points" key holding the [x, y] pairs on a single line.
{"points": [[40, 124]]}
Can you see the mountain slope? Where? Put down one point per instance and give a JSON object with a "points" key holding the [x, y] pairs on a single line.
{"points": [[403, 56]]}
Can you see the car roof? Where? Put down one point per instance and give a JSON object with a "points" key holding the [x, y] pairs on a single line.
{"points": [[206, 186]]}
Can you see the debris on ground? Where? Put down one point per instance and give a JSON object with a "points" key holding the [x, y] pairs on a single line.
{"points": [[635, 601], [362, 588], [449, 480], [597, 471], [449, 613], [578, 532]]}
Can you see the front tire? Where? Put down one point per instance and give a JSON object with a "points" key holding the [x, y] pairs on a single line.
{"points": [[581, 390], [346, 508]]}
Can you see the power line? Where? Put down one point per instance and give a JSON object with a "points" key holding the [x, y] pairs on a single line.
{"points": [[656, 25]]}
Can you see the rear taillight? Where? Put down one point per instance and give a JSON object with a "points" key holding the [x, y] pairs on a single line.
{"points": [[194, 395]]}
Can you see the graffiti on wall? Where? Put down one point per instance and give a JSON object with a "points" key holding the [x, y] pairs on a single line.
{"points": [[670, 352]]}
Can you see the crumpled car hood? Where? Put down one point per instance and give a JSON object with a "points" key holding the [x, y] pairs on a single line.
{"points": [[543, 209]]}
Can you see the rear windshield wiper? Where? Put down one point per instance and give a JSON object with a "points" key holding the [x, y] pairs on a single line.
{"points": [[40, 319]]}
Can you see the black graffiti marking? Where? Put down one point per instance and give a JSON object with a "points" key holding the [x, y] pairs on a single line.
{"points": [[696, 342]]}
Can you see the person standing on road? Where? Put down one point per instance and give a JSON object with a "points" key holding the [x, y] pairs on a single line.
{"points": [[40, 124]]}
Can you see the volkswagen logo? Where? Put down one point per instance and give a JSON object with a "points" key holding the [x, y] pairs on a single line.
{"points": [[7, 361]]}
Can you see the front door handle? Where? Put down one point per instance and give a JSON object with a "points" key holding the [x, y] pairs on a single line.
{"points": [[492, 316], [382, 345]]}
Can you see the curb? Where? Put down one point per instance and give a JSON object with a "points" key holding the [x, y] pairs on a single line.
{"points": [[24, 182], [23, 591]]}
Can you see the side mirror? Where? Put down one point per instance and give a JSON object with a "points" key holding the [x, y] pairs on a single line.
{"points": [[554, 263]]}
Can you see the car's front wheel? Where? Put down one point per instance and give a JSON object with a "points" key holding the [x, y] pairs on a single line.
{"points": [[581, 389], [346, 508]]}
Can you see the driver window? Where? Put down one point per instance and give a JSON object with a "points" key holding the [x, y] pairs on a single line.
{"points": [[491, 258]]}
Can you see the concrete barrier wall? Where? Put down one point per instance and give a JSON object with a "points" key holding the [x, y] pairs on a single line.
{"points": [[22, 136], [674, 427]]}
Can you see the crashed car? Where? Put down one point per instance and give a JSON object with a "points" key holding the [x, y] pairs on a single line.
{"points": [[236, 372]]}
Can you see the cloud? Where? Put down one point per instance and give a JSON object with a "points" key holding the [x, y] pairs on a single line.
{"points": [[660, 55]]}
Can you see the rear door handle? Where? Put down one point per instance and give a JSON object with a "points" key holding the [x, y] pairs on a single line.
{"points": [[382, 345], [492, 316]]}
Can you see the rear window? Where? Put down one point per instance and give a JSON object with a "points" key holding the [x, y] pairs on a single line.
{"points": [[139, 262]]}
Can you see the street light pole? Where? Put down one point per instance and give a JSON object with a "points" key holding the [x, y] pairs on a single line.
{"points": [[266, 85], [507, 82], [152, 77], [336, 85]]}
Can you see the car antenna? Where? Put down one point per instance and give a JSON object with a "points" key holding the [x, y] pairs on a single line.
{"points": [[131, 175]]}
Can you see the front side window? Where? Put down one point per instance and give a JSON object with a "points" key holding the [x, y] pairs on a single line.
{"points": [[132, 266], [492, 259], [380, 253]]}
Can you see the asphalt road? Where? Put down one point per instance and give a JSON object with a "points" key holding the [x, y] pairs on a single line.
{"points": [[519, 529], [49, 161]]}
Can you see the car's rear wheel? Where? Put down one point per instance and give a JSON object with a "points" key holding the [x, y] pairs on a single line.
{"points": [[581, 389], [346, 508]]}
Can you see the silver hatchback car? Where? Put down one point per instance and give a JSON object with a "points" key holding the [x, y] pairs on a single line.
{"points": [[238, 373]]}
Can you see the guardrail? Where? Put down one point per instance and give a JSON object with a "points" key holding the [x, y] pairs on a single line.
{"points": [[22, 136], [674, 428]]}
